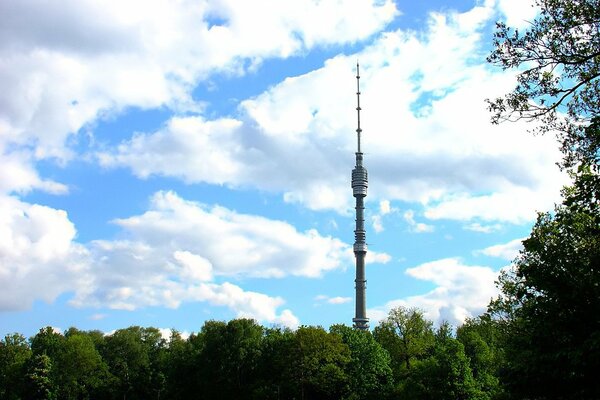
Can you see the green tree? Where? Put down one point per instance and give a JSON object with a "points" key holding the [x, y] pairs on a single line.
{"points": [[38, 380], [47, 341], [320, 360], [177, 367], [550, 304], [480, 337], [131, 354], [80, 370], [276, 378], [14, 354], [407, 336], [445, 374], [229, 357], [369, 371], [558, 84]]}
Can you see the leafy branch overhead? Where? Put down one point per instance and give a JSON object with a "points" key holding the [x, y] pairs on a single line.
{"points": [[558, 85]]}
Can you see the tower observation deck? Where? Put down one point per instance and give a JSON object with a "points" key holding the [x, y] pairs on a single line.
{"points": [[359, 191]]}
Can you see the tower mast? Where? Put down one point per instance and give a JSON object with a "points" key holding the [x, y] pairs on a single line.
{"points": [[359, 191]]}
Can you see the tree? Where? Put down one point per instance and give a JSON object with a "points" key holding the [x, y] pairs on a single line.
{"points": [[47, 341], [550, 304], [407, 336], [480, 337], [369, 372], [14, 354], [320, 360], [178, 368], [445, 374], [79, 368], [228, 360], [38, 379], [559, 84], [277, 372], [129, 355]]}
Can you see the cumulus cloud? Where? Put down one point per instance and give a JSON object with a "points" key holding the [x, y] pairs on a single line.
{"points": [[384, 207], [419, 90], [38, 257], [506, 251], [461, 291], [178, 251], [478, 227], [417, 227], [58, 73], [518, 13], [377, 220], [377, 223], [332, 300]]}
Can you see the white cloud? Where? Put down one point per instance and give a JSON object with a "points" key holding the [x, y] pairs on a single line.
{"points": [[178, 251], [506, 251], [418, 227], [19, 175], [377, 220], [64, 68], [194, 266], [339, 300], [377, 223], [461, 291], [384, 207], [174, 250], [333, 300], [235, 243], [374, 257], [418, 92], [477, 227], [38, 258], [518, 13]]}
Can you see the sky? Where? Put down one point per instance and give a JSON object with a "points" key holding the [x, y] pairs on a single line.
{"points": [[164, 163]]}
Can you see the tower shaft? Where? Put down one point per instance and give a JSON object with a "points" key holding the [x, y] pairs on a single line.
{"points": [[359, 191]]}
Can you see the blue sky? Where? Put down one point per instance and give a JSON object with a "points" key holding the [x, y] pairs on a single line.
{"points": [[165, 163]]}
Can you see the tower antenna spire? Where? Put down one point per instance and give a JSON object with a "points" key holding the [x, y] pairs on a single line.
{"points": [[359, 191], [358, 130]]}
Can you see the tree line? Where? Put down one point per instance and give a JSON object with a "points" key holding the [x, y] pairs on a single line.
{"points": [[404, 357]]}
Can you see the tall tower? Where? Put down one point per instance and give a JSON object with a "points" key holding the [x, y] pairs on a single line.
{"points": [[359, 191]]}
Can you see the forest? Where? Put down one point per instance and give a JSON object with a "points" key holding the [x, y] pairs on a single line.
{"points": [[539, 339], [404, 357]]}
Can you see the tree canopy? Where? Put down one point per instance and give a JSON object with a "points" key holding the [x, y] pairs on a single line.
{"points": [[549, 311], [558, 63]]}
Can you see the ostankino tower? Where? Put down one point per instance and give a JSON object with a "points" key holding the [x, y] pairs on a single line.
{"points": [[359, 191]]}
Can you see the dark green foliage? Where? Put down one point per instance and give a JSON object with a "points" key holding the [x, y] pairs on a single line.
{"points": [[480, 338], [48, 342], [431, 365], [550, 308], [407, 336], [549, 311], [228, 359], [240, 359], [133, 357], [177, 367], [320, 363], [369, 372], [78, 368], [14, 354], [277, 377], [444, 375], [39, 384]]}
